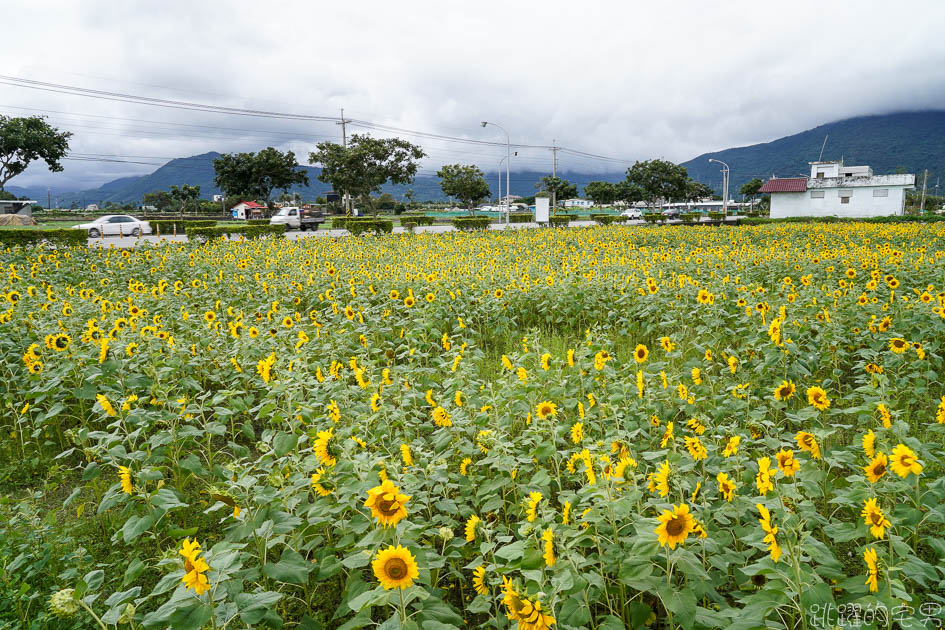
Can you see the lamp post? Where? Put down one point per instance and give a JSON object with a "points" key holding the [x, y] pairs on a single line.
{"points": [[725, 175], [508, 156], [507, 193]]}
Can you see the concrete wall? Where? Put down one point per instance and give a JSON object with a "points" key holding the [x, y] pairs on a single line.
{"points": [[862, 202]]}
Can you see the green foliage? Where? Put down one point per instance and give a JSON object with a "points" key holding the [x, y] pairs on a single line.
{"points": [[25, 140], [30, 236], [166, 226], [521, 217], [366, 164], [559, 188], [417, 219], [203, 234], [256, 175], [658, 180], [560, 220], [465, 182], [468, 224], [360, 226], [257, 222], [603, 219], [601, 193]]}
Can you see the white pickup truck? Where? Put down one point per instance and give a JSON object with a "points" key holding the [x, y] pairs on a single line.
{"points": [[295, 219]]}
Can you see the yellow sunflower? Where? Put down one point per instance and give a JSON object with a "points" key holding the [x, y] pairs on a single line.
{"points": [[675, 526], [546, 409], [876, 468], [395, 567], [387, 504], [905, 461], [817, 397], [873, 516], [785, 390]]}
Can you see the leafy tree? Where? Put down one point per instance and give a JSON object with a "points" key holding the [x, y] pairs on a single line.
{"points": [[366, 164], [465, 182], [409, 197], [558, 187], [386, 202], [659, 180], [697, 190], [602, 193], [184, 195], [628, 192], [160, 199], [25, 140], [750, 189], [256, 175]]}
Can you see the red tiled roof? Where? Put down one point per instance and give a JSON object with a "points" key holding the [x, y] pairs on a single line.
{"points": [[252, 204], [784, 184]]}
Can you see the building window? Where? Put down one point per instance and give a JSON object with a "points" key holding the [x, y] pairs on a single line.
{"points": [[844, 200], [820, 175], [880, 192], [816, 194]]}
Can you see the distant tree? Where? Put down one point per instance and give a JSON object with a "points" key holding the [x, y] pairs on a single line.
{"points": [[697, 190], [184, 195], [366, 164], [558, 188], [659, 180], [465, 182], [628, 192], [409, 197], [160, 199], [602, 193], [256, 175], [319, 200], [386, 202], [750, 189], [25, 140], [7, 196]]}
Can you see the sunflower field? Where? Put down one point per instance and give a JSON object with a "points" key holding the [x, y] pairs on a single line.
{"points": [[609, 427]]}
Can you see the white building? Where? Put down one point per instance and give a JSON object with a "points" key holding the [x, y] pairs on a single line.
{"points": [[577, 203], [837, 190], [92, 207]]}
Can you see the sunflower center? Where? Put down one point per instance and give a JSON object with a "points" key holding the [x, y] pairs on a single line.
{"points": [[876, 518], [188, 567], [396, 568], [387, 507], [879, 469], [676, 526]]}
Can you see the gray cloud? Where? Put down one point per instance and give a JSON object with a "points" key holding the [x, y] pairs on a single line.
{"points": [[621, 79]]}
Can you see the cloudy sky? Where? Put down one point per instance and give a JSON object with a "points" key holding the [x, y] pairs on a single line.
{"points": [[628, 80]]}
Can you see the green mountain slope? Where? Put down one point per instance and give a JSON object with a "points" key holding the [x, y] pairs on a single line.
{"points": [[912, 140]]}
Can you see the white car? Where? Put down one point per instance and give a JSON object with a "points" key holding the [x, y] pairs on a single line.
{"points": [[115, 225], [632, 214]]}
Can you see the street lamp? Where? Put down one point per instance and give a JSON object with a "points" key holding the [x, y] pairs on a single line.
{"points": [[725, 176], [508, 193], [508, 166]]}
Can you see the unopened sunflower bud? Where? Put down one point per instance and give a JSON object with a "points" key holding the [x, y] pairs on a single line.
{"points": [[127, 616], [63, 603], [445, 533]]}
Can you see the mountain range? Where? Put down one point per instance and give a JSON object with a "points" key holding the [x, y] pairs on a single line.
{"points": [[913, 141]]}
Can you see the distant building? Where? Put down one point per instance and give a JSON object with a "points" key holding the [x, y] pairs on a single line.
{"points": [[577, 203], [837, 190], [92, 207], [247, 210], [218, 198]]}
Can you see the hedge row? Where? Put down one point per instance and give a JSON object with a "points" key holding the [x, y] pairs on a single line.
{"points": [[257, 222], [166, 226], [26, 237], [467, 224], [376, 226], [604, 219], [247, 231], [416, 219], [521, 217], [560, 219], [923, 218]]}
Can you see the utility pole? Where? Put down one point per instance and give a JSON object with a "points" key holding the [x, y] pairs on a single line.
{"points": [[554, 173], [344, 143], [925, 181]]}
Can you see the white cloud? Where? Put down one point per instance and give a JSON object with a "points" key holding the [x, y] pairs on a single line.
{"points": [[629, 79]]}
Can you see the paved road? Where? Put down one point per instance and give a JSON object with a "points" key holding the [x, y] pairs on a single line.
{"points": [[128, 241]]}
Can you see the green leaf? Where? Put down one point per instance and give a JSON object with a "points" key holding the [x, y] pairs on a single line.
{"points": [[610, 622], [328, 568], [357, 560], [134, 527], [292, 568], [253, 607], [682, 603], [639, 614], [166, 500], [368, 599], [134, 569], [94, 579], [574, 613], [284, 442], [513, 551]]}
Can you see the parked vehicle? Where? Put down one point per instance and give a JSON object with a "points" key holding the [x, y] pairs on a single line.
{"points": [[115, 225], [296, 219], [671, 213], [632, 213]]}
